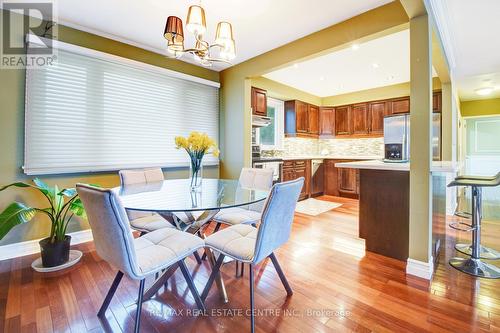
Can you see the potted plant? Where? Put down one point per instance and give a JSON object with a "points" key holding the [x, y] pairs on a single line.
{"points": [[196, 145], [63, 205]]}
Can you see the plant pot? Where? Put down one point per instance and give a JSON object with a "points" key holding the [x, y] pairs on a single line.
{"points": [[55, 254]]}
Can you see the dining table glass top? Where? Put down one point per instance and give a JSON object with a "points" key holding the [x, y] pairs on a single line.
{"points": [[175, 195]]}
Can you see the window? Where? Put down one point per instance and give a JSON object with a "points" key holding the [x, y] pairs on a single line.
{"points": [[97, 112], [271, 137]]}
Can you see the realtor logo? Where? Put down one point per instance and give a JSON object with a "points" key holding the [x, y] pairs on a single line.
{"points": [[27, 31]]}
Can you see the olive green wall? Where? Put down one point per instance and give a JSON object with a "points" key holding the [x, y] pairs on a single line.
{"points": [[392, 91], [12, 130], [281, 91], [480, 107], [235, 81]]}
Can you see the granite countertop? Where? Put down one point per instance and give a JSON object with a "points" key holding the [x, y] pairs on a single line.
{"points": [[438, 166]]}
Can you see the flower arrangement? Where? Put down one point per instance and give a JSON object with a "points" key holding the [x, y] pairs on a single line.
{"points": [[196, 145]]}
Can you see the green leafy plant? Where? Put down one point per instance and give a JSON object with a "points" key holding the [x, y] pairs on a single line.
{"points": [[63, 205]]}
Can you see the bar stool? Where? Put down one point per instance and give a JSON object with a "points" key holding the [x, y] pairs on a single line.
{"points": [[474, 265]]}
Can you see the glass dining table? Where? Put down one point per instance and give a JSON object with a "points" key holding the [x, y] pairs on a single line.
{"points": [[188, 210]]}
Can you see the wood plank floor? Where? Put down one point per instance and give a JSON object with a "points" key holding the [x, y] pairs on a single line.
{"points": [[337, 287]]}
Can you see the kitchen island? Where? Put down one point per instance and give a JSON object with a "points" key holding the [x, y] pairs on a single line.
{"points": [[384, 204]]}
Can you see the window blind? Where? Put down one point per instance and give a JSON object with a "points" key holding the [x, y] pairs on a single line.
{"points": [[96, 113]]}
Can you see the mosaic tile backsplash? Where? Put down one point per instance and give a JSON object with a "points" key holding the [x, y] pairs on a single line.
{"points": [[329, 147]]}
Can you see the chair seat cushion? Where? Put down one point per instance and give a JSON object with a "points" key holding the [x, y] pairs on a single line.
{"points": [[150, 223], [161, 248], [236, 215], [237, 241]]}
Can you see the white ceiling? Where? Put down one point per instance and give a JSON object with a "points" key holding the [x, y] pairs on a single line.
{"points": [[258, 26], [469, 30], [376, 63]]}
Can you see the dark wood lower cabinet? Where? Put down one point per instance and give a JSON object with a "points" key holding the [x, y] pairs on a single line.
{"points": [[296, 169], [384, 212], [341, 182]]}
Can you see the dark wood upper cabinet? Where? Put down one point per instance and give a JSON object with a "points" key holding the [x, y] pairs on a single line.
{"points": [[436, 101], [359, 114], [343, 121], [313, 114], [301, 119], [302, 116], [326, 122], [400, 105], [376, 113], [259, 102]]}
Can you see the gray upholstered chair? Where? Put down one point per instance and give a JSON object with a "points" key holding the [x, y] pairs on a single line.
{"points": [[250, 245], [256, 179], [137, 258], [144, 221]]}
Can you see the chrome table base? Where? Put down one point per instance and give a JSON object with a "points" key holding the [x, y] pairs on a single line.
{"points": [[475, 267], [484, 252]]}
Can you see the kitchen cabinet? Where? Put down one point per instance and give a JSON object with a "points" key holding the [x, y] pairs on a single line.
{"points": [[400, 105], [301, 119], [296, 169], [326, 122], [343, 121], [367, 118], [436, 101], [313, 115], [340, 181], [359, 116], [376, 113], [348, 181], [259, 101]]}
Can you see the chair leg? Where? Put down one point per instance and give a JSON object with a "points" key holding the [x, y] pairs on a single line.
{"points": [[215, 271], [283, 279], [252, 304], [217, 227], [139, 306], [197, 256], [240, 271], [191, 285], [110, 294]]}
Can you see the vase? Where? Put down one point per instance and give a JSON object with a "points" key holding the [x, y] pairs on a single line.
{"points": [[196, 173], [55, 254]]}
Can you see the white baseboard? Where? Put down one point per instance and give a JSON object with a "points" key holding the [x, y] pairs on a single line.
{"points": [[30, 247], [420, 269]]}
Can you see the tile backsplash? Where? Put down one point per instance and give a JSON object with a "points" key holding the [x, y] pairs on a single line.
{"points": [[329, 147]]}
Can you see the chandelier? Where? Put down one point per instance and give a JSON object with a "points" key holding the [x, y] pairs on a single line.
{"points": [[195, 24]]}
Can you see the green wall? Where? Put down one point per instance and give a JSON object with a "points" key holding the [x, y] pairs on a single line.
{"points": [[480, 107], [12, 129]]}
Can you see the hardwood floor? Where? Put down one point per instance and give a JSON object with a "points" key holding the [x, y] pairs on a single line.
{"points": [[337, 287]]}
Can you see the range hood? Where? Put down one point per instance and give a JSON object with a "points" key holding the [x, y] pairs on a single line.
{"points": [[260, 121]]}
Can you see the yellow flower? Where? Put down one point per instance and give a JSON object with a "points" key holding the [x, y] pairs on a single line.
{"points": [[197, 144]]}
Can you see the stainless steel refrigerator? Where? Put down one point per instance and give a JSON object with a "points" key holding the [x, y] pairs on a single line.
{"points": [[397, 138]]}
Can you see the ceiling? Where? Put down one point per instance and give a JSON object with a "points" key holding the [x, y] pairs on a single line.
{"points": [[376, 63], [258, 26], [469, 30]]}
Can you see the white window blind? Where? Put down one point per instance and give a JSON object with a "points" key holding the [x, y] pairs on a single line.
{"points": [[97, 112]]}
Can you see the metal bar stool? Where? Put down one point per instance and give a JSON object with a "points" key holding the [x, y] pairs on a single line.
{"points": [[473, 265]]}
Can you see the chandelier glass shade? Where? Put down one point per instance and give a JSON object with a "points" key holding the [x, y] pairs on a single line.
{"points": [[196, 24]]}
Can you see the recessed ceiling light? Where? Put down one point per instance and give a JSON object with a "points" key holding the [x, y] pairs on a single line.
{"points": [[295, 65], [484, 91], [321, 78], [375, 65], [355, 46]]}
